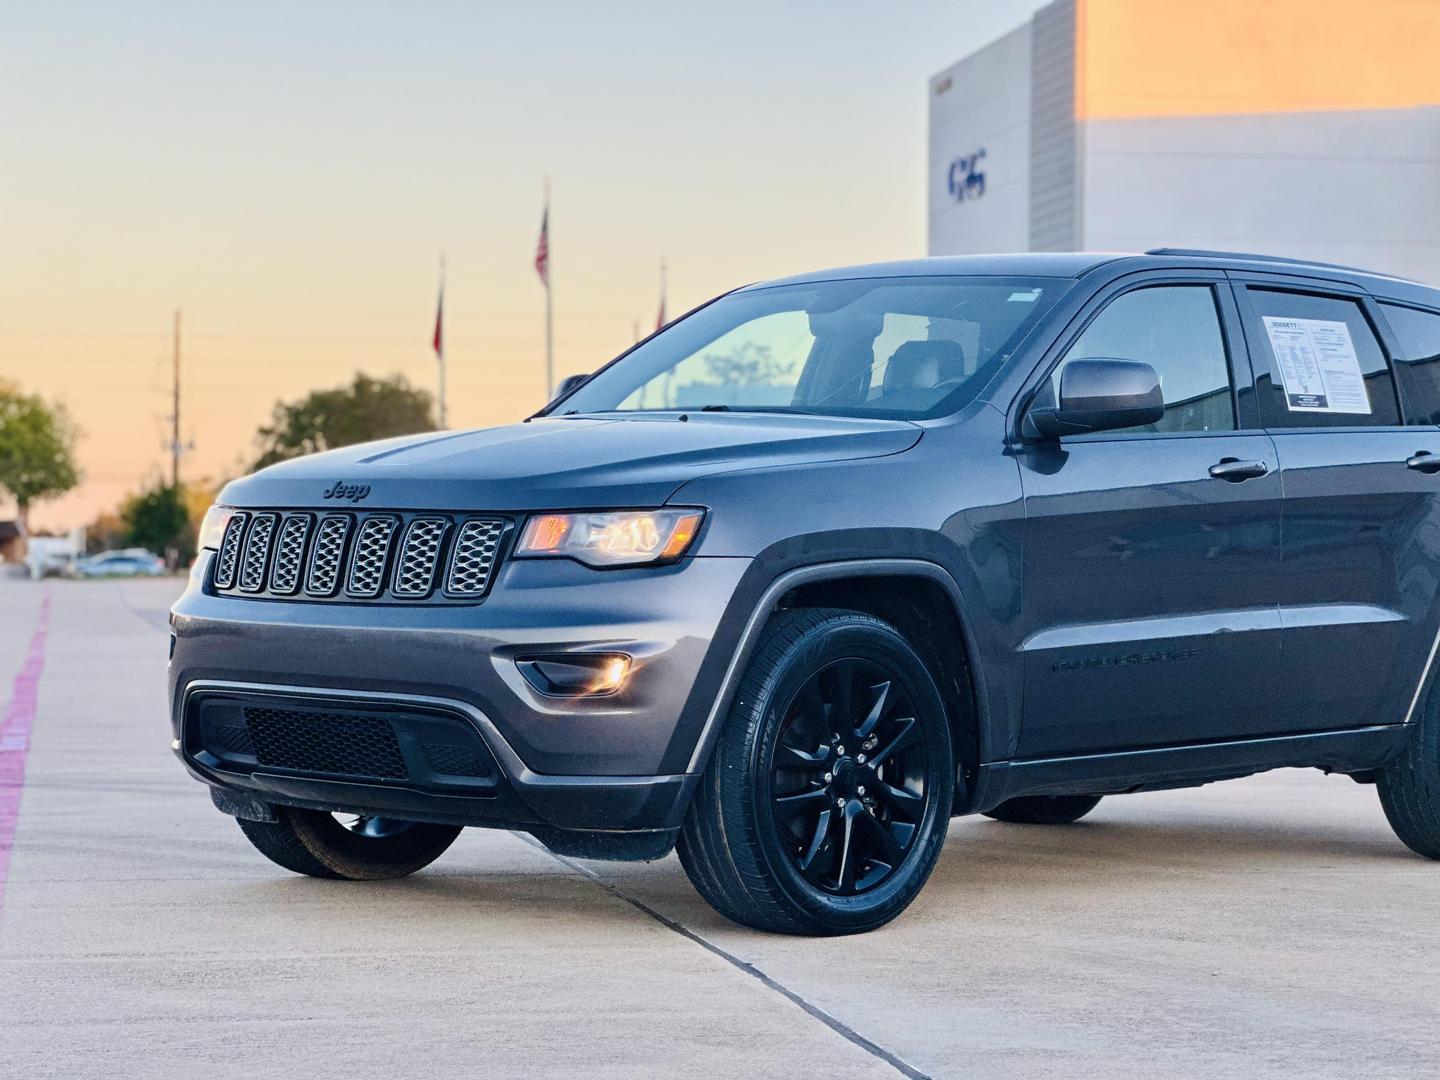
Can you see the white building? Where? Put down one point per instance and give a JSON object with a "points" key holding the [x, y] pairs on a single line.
{"points": [[1308, 128]]}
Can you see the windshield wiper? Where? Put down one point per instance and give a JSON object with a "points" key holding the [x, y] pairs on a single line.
{"points": [[715, 408]]}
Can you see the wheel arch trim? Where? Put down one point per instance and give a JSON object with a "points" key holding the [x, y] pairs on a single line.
{"points": [[829, 571]]}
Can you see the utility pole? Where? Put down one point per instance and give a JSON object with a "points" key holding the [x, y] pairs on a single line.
{"points": [[175, 410]]}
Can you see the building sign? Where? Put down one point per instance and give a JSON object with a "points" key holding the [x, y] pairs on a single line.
{"points": [[966, 179]]}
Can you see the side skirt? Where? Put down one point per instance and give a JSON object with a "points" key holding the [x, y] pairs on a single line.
{"points": [[1153, 769]]}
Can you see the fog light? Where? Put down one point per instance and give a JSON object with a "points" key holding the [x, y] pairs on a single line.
{"points": [[576, 674]]}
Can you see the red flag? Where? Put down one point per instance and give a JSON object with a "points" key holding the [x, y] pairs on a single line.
{"points": [[542, 249], [439, 341]]}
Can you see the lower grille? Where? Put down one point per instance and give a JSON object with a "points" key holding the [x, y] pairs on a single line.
{"points": [[338, 744], [456, 760], [372, 742]]}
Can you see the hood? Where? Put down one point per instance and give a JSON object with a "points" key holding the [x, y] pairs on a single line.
{"points": [[554, 463]]}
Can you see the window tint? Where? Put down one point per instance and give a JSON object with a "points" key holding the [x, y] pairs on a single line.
{"points": [[1418, 333], [1176, 330], [1318, 363]]}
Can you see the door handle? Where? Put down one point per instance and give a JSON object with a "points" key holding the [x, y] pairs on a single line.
{"points": [[1235, 470], [1423, 461]]}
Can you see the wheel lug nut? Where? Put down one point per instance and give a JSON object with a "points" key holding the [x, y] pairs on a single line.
{"points": [[860, 791], [861, 759], [829, 777], [839, 750]]}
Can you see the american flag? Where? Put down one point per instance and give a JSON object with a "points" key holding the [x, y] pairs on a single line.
{"points": [[542, 249]]}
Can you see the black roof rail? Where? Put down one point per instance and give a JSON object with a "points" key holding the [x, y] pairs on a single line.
{"points": [[1250, 256]]}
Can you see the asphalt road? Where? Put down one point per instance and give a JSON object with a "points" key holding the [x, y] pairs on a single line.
{"points": [[1270, 927]]}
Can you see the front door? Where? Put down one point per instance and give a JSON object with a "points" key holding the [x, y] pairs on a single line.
{"points": [[1151, 555]]}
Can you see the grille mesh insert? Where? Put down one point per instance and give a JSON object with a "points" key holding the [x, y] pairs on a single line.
{"points": [[419, 555], [367, 563], [325, 559], [229, 558], [290, 554], [474, 559], [338, 744], [257, 553]]}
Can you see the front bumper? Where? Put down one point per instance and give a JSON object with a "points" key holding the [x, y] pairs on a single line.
{"points": [[609, 763]]}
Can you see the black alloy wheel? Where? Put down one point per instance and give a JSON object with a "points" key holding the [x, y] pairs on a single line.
{"points": [[847, 780], [825, 802]]}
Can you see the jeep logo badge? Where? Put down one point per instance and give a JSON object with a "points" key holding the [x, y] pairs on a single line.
{"points": [[350, 492]]}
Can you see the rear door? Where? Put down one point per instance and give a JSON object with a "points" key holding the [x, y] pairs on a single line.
{"points": [[1360, 564], [1151, 555]]}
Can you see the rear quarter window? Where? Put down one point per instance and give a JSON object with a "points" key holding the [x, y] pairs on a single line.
{"points": [[1417, 334]]}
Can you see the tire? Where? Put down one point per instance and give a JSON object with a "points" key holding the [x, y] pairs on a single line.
{"points": [[1409, 786], [791, 831], [315, 843], [1044, 809]]}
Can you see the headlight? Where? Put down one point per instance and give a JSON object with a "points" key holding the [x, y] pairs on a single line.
{"points": [[212, 528], [621, 538]]}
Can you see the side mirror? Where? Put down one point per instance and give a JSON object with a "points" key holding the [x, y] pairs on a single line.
{"points": [[1096, 395], [567, 384]]}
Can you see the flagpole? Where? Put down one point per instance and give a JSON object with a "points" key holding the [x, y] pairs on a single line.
{"points": [[549, 316], [441, 338]]}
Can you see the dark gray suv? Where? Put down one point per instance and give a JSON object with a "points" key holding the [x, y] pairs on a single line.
{"points": [[835, 558]]}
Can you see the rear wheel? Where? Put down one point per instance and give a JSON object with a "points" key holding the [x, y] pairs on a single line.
{"points": [[347, 846], [1409, 786], [827, 798], [1044, 809]]}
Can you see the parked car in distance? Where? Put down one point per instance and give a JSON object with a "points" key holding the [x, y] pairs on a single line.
{"points": [[833, 559], [131, 562]]}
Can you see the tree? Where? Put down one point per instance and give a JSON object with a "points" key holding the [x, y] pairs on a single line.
{"points": [[158, 520], [37, 448], [748, 364], [367, 409]]}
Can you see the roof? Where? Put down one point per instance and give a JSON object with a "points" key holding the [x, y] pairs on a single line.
{"points": [[1074, 264], [1060, 264]]}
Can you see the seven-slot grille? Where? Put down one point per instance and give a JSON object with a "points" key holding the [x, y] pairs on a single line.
{"points": [[359, 557]]}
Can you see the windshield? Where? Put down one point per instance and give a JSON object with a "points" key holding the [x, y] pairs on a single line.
{"points": [[905, 348]]}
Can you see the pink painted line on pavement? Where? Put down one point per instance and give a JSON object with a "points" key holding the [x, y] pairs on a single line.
{"points": [[15, 728]]}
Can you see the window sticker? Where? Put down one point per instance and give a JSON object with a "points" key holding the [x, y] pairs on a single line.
{"points": [[1024, 297], [1317, 364]]}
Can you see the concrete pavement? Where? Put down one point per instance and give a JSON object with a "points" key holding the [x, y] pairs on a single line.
{"points": [[1260, 928]]}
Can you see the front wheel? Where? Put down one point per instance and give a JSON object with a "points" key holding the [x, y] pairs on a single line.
{"points": [[826, 801], [347, 846]]}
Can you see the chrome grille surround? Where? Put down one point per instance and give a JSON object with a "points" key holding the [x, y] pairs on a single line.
{"points": [[228, 558], [327, 556], [419, 556], [257, 552], [355, 556], [290, 554], [371, 556], [476, 549]]}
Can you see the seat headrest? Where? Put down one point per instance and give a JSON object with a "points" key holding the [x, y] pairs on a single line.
{"points": [[924, 365]]}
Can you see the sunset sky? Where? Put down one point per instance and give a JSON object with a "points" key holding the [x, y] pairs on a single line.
{"points": [[288, 173]]}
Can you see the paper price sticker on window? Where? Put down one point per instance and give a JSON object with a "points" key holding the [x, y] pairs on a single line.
{"points": [[1317, 365]]}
